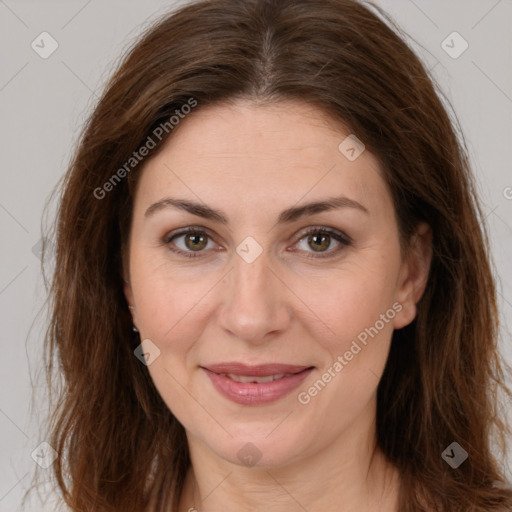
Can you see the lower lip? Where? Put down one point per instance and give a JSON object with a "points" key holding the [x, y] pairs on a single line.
{"points": [[253, 393]]}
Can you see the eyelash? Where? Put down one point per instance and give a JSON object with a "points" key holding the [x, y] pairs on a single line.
{"points": [[343, 239]]}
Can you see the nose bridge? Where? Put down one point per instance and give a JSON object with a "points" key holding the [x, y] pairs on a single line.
{"points": [[251, 280], [254, 303]]}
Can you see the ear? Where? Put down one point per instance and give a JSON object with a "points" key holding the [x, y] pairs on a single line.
{"points": [[125, 272], [414, 273], [128, 293]]}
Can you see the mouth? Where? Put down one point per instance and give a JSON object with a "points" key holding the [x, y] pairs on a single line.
{"points": [[255, 385], [257, 380]]}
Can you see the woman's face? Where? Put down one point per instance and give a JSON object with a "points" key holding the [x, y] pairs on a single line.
{"points": [[251, 288]]}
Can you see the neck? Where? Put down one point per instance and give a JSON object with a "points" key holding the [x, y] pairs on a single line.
{"points": [[349, 475]]}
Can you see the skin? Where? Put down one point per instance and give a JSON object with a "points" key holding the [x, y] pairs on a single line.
{"points": [[252, 162]]}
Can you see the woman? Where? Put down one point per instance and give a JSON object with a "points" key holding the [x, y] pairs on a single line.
{"points": [[272, 284]]}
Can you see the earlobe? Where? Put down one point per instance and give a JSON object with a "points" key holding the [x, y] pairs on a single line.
{"points": [[414, 274]]}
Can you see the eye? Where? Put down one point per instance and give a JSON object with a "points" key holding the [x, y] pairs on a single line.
{"points": [[320, 239], [188, 241], [192, 242]]}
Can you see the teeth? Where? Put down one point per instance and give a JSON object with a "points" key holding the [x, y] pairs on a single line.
{"points": [[267, 378]]}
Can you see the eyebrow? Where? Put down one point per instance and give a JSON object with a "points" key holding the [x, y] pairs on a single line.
{"points": [[287, 216]]}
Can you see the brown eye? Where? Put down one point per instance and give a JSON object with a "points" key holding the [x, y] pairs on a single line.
{"points": [[196, 241], [189, 243], [324, 242], [319, 242]]}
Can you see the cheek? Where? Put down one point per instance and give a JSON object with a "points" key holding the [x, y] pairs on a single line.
{"points": [[359, 311], [351, 300], [167, 298], [356, 309], [172, 313]]}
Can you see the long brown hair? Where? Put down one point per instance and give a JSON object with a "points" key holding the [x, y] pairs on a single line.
{"points": [[119, 446]]}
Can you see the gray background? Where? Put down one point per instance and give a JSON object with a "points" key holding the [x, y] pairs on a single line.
{"points": [[44, 102]]}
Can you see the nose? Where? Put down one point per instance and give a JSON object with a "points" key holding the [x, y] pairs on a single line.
{"points": [[255, 305]]}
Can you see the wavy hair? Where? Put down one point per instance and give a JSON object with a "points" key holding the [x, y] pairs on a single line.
{"points": [[119, 446]]}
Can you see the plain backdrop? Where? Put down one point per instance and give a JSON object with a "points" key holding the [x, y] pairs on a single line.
{"points": [[44, 102]]}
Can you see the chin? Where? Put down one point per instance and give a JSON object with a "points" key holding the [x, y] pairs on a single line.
{"points": [[258, 451]]}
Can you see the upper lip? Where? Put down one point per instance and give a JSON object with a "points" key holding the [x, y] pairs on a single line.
{"points": [[259, 370]]}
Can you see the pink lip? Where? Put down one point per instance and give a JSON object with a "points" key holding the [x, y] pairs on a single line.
{"points": [[253, 393], [259, 370]]}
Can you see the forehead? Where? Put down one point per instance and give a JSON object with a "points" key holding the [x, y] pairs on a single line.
{"points": [[251, 155]]}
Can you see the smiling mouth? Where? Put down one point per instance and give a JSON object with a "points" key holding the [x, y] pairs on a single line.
{"points": [[256, 385], [260, 370], [247, 379]]}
